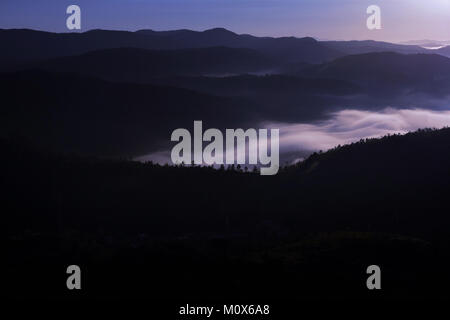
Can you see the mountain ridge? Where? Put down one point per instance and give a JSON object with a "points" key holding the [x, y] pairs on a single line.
{"points": [[47, 45]]}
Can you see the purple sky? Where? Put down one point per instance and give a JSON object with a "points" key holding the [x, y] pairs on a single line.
{"points": [[324, 19]]}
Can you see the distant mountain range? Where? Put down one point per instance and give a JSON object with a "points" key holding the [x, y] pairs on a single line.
{"points": [[16, 44], [117, 93], [367, 46], [389, 71], [49, 45], [427, 43]]}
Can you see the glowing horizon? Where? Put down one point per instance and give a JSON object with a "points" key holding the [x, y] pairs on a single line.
{"points": [[402, 20]]}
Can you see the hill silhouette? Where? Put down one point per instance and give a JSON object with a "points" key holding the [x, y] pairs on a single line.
{"points": [[368, 46], [254, 85], [74, 113], [140, 65], [445, 51], [342, 208], [390, 72], [77, 106], [50, 45], [288, 49], [65, 111], [47, 45]]}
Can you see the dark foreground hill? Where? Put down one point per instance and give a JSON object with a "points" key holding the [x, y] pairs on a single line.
{"points": [[407, 172], [200, 232]]}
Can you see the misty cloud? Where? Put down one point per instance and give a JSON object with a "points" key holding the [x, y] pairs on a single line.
{"points": [[299, 140], [347, 126]]}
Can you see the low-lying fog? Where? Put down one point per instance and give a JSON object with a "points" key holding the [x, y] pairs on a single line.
{"points": [[298, 140]]}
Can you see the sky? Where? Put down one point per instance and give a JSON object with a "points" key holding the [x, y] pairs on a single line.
{"points": [[401, 20]]}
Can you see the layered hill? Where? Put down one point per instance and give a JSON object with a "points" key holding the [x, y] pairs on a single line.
{"points": [[390, 72], [141, 65], [73, 113]]}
